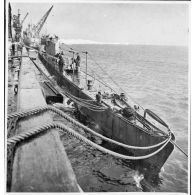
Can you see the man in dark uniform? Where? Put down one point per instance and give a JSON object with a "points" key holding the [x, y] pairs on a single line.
{"points": [[61, 62], [99, 98], [13, 48], [77, 61]]}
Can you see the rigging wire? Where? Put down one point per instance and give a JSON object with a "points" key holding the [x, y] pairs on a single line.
{"points": [[103, 70], [72, 49], [114, 81], [100, 79]]}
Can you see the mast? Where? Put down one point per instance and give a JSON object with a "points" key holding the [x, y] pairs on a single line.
{"points": [[9, 21], [72, 62], [86, 65], [17, 26], [40, 24], [24, 19]]}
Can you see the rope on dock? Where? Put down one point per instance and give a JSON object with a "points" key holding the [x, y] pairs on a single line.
{"points": [[73, 121], [29, 134]]}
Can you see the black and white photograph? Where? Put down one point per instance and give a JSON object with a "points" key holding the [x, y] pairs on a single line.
{"points": [[97, 96]]}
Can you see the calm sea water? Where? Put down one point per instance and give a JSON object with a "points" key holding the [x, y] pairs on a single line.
{"points": [[157, 78]]}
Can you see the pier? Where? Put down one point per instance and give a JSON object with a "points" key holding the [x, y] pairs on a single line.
{"points": [[40, 164]]}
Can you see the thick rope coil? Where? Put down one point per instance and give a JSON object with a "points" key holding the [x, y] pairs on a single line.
{"points": [[73, 121], [27, 112], [23, 136]]}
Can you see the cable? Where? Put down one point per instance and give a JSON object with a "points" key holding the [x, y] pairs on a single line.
{"points": [[32, 132], [73, 121], [114, 81]]}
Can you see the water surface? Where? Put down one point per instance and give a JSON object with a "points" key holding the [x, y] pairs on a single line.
{"points": [[157, 78]]}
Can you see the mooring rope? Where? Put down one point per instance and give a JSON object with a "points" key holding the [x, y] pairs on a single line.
{"points": [[73, 121], [21, 137], [106, 138]]}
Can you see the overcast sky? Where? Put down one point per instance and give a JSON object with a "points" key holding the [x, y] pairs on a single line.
{"points": [[133, 23]]}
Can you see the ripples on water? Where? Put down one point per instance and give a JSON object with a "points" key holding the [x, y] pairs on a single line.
{"points": [[157, 77]]}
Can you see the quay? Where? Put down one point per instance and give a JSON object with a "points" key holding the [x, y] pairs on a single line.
{"points": [[40, 164]]}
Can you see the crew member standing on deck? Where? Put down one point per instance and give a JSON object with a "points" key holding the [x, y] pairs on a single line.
{"points": [[99, 98], [61, 62], [72, 64], [77, 62]]}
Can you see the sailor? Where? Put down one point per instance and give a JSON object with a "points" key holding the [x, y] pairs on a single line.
{"points": [[19, 49], [61, 62], [99, 97], [123, 97], [72, 64], [136, 107], [77, 62], [128, 112]]}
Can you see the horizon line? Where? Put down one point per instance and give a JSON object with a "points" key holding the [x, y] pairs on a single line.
{"points": [[89, 42]]}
